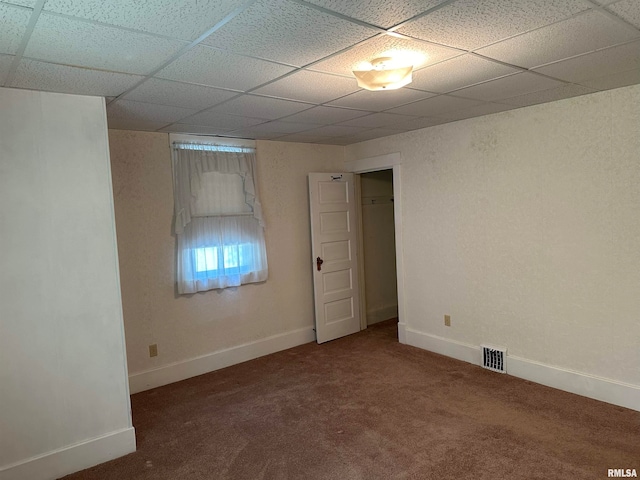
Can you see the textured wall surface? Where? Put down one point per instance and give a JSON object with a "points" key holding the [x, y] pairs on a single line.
{"points": [[524, 227], [188, 326], [378, 231]]}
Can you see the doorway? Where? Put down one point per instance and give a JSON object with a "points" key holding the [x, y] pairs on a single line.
{"points": [[384, 162], [378, 246]]}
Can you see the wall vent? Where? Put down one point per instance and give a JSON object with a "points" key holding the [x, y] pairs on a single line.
{"points": [[494, 358]]}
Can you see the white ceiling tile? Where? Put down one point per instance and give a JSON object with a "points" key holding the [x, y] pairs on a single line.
{"points": [[253, 134], [208, 66], [310, 86], [584, 33], [435, 106], [478, 110], [165, 92], [420, 122], [5, 64], [616, 80], [13, 25], [245, 95], [183, 19], [457, 73], [282, 127], [23, 3], [553, 94], [418, 53], [303, 138], [629, 10], [73, 42], [335, 130], [594, 65], [325, 115], [383, 13], [260, 107], [471, 24], [371, 134], [130, 111], [63, 79], [507, 87], [382, 100], [194, 129], [221, 120], [378, 120], [286, 32]]}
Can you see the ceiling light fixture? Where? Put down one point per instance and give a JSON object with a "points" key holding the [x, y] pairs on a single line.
{"points": [[384, 74]]}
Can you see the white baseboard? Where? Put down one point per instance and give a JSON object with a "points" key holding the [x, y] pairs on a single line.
{"points": [[603, 389], [402, 333], [382, 314], [73, 458], [443, 346], [174, 372]]}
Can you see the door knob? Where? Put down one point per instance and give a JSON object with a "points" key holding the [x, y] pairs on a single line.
{"points": [[319, 263]]}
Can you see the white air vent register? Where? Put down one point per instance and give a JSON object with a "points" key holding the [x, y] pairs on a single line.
{"points": [[494, 358]]}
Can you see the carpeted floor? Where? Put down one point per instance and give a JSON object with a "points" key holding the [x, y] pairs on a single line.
{"points": [[367, 407]]}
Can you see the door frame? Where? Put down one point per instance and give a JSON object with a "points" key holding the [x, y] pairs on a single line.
{"points": [[373, 164], [357, 183]]}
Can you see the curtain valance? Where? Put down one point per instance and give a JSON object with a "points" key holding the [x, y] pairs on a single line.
{"points": [[191, 161]]}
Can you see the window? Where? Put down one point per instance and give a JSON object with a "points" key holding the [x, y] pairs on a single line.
{"points": [[218, 218], [231, 258]]}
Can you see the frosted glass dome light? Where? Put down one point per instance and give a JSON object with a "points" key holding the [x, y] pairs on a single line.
{"points": [[384, 74]]}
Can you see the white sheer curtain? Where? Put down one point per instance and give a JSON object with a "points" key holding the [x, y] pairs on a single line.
{"points": [[218, 218]]}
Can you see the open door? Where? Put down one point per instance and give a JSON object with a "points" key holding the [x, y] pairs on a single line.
{"points": [[333, 250]]}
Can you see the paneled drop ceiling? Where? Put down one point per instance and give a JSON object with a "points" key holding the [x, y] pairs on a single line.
{"points": [[281, 69]]}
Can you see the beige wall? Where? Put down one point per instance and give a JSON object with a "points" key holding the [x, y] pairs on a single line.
{"points": [[189, 326], [524, 226], [379, 246]]}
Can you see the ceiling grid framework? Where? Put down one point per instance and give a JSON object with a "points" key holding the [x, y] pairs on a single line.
{"points": [[281, 69]]}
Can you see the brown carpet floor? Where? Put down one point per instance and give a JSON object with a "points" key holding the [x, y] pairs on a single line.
{"points": [[367, 407]]}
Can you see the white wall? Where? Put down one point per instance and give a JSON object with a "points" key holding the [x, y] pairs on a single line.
{"points": [[210, 330], [64, 402], [379, 246], [524, 227]]}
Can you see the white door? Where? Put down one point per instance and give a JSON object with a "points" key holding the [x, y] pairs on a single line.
{"points": [[334, 256]]}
